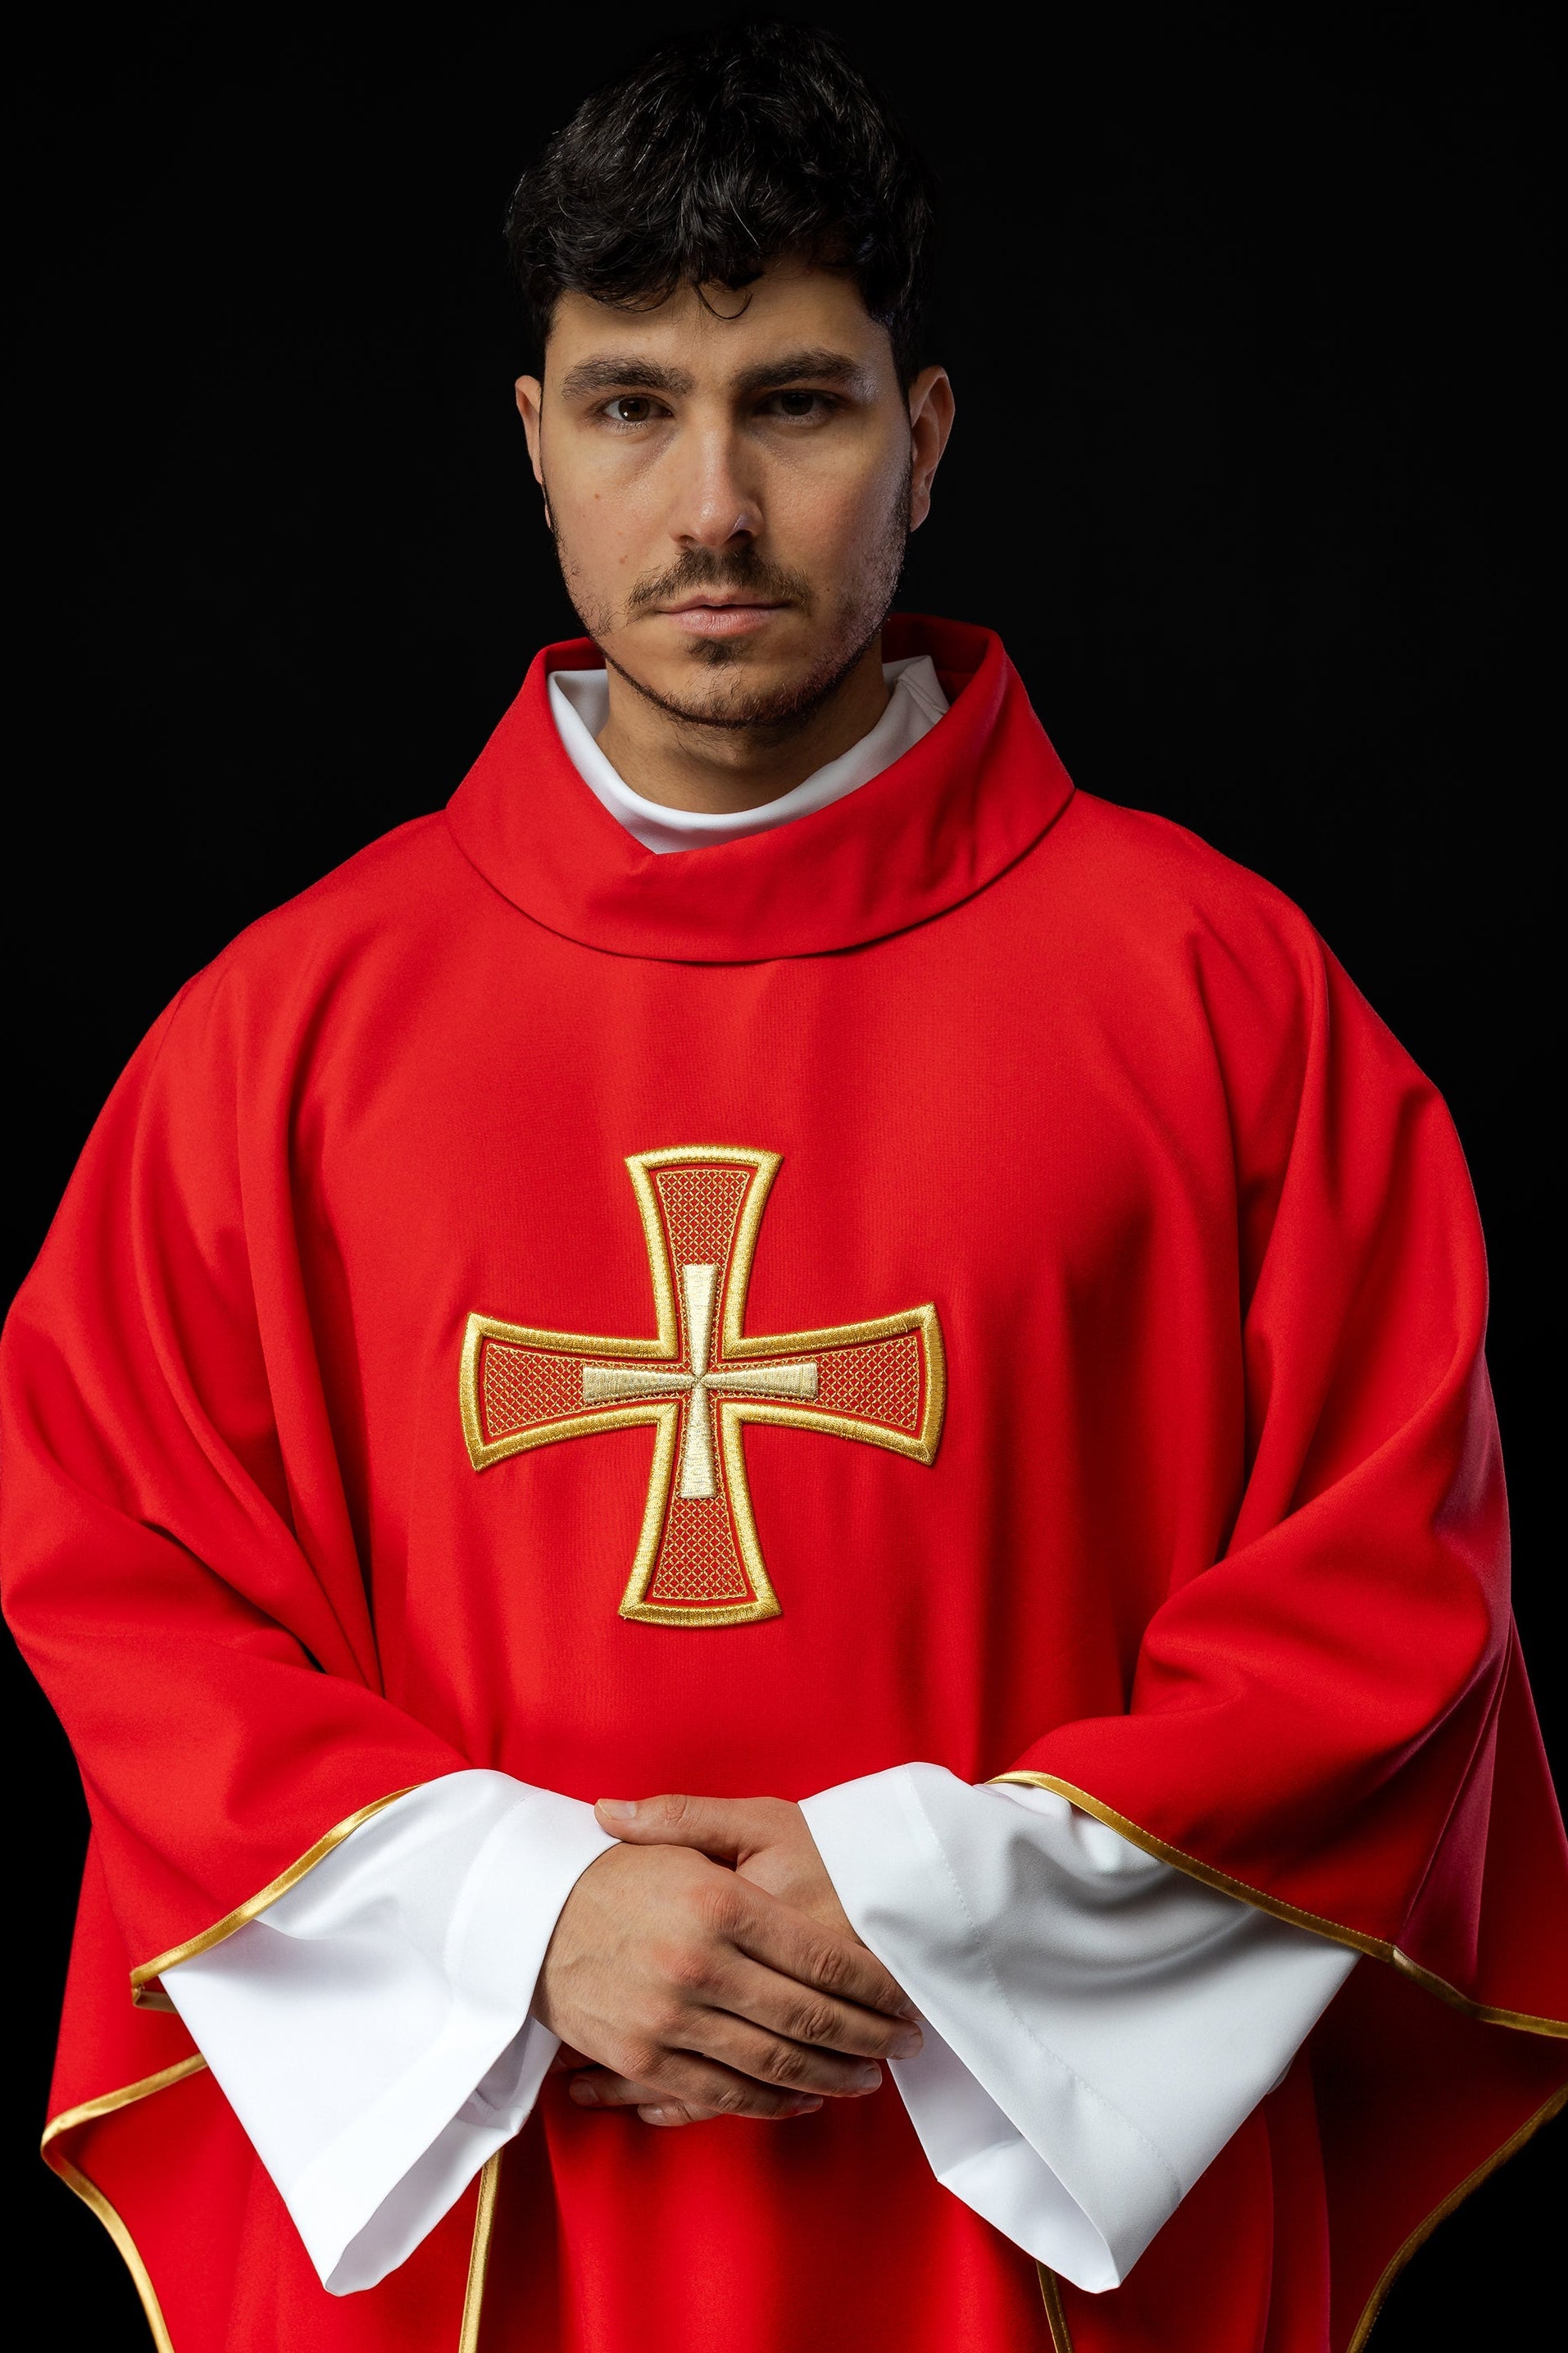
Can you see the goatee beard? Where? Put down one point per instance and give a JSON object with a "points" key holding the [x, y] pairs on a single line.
{"points": [[771, 714], [774, 714]]}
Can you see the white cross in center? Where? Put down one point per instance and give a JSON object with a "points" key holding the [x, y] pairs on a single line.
{"points": [[609, 1384]]}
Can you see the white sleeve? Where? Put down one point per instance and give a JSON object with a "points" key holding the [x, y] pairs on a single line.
{"points": [[1098, 2023], [370, 2028]]}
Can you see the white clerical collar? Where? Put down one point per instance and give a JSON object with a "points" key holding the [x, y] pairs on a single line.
{"points": [[580, 704]]}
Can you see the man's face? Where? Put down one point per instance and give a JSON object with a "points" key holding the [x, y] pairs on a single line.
{"points": [[731, 486]]}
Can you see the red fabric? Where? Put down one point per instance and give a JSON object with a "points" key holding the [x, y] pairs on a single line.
{"points": [[1215, 1531], [939, 825]]}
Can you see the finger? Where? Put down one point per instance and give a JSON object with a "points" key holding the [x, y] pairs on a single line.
{"points": [[676, 2116], [793, 2067], [600, 2087], [798, 2013], [724, 1828], [686, 2079], [784, 1939], [681, 2116]]}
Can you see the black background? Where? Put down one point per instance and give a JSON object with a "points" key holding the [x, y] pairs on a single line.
{"points": [[1248, 325]]}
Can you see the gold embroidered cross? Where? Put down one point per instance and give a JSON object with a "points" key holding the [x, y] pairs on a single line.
{"points": [[698, 1380]]}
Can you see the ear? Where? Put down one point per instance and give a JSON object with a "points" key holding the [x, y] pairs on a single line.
{"points": [[528, 393], [930, 422]]}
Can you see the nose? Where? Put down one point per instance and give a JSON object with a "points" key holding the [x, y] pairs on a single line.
{"points": [[716, 505]]}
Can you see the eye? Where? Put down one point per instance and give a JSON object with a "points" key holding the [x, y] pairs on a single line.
{"points": [[800, 407], [630, 408]]}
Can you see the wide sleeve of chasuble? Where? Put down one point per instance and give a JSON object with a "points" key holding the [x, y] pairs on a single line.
{"points": [[183, 1572], [1333, 1721], [195, 1611], [197, 1615], [1332, 1718]]}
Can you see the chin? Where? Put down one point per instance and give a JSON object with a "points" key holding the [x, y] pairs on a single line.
{"points": [[733, 683], [743, 682], [723, 684], [722, 653]]}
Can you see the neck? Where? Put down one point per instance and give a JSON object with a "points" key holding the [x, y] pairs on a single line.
{"points": [[719, 770]]}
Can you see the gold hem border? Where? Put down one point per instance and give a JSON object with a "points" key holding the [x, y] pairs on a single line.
{"points": [[1440, 2213], [70, 2120], [88, 2191], [480, 2255], [147, 1994], [1050, 2288], [91, 2195], [1056, 2313], [1377, 1949]]}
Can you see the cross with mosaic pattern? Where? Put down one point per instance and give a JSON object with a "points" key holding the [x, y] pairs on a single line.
{"points": [[697, 1381]]}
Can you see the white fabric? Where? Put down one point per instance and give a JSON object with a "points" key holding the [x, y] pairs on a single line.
{"points": [[371, 2029], [580, 704], [1099, 2022]]}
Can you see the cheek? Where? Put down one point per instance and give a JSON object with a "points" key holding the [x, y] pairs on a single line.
{"points": [[597, 527], [838, 514]]}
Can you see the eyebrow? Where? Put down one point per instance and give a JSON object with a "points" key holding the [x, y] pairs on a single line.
{"points": [[614, 372], [791, 368]]}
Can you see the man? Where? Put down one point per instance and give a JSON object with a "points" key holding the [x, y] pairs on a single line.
{"points": [[418, 1427]]}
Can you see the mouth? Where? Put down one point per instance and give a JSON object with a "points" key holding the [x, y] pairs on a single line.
{"points": [[721, 617]]}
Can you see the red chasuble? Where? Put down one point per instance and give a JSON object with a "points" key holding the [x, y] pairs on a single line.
{"points": [[1090, 1388]]}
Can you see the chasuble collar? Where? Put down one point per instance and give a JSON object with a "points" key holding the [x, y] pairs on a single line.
{"points": [[579, 702], [959, 809]]}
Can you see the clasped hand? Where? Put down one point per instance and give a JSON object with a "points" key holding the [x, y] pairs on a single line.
{"points": [[704, 1966]]}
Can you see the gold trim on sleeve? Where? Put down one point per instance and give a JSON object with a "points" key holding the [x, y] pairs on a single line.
{"points": [[1423, 2230], [92, 2196], [1050, 2288], [146, 1992], [697, 1381], [480, 2255], [1051, 2296], [70, 2120], [1378, 1948]]}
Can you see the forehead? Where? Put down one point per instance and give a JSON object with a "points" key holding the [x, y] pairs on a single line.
{"points": [[791, 306]]}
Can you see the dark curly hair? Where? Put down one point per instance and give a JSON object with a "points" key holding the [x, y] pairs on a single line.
{"points": [[723, 151]]}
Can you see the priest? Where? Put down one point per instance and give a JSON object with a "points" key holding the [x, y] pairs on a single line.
{"points": [[757, 1474]]}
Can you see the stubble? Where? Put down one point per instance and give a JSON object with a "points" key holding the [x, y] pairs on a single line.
{"points": [[724, 695]]}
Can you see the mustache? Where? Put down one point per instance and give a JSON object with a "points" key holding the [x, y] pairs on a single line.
{"points": [[704, 567]]}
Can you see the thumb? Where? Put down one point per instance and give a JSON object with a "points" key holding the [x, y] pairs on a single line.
{"points": [[720, 1827]]}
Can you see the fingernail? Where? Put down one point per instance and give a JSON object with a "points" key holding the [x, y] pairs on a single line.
{"points": [[582, 2093], [907, 2045], [908, 2010], [801, 2108], [866, 2078], [619, 1810]]}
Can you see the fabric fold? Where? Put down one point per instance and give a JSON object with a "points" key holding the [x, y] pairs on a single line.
{"points": [[371, 2027], [1099, 2024]]}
